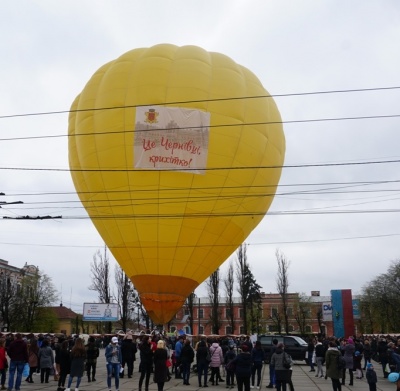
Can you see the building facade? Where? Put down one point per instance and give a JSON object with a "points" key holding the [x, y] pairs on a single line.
{"points": [[305, 316], [12, 276]]}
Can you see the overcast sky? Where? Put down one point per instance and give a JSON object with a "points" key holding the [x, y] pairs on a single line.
{"points": [[336, 212]]}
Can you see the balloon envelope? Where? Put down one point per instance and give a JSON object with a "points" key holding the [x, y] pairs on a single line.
{"points": [[176, 154]]}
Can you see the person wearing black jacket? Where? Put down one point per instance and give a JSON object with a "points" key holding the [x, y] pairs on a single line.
{"points": [[381, 349], [187, 357], [18, 353], [146, 362], [92, 352], [319, 358], [230, 373], [243, 364], [202, 363], [128, 350]]}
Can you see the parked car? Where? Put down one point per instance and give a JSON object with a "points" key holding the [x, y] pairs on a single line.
{"points": [[295, 346]]}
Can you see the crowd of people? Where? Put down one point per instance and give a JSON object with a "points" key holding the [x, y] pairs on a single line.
{"points": [[161, 357], [353, 356]]}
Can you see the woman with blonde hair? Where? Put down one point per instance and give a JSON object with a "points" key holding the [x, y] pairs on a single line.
{"points": [[160, 365]]}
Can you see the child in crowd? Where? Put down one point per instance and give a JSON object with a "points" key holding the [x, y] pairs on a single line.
{"points": [[371, 377]]}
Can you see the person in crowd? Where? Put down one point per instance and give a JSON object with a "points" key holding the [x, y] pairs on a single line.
{"points": [[242, 364], [153, 343], [33, 359], [177, 358], [367, 353], [18, 353], [146, 363], [78, 357], [272, 380], [160, 365], [282, 363], [187, 357], [248, 343], [348, 354], [310, 354], [65, 364], [371, 377], [56, 346], [3, 364], [128, 349], [230, 372], [217, 359], [381, 350], [332, 369], [319, 358], [113, 362], [92, 353], [202, 363], [257, 357], [46, 361], [357, 364]]}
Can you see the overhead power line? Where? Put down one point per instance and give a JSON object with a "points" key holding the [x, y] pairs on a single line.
{"points": [[207, 245], [205, 168], [203, 101], [124, 131]]}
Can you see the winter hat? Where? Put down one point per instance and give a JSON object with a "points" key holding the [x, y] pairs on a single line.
{"points": [[370, 366], [349, 340]]}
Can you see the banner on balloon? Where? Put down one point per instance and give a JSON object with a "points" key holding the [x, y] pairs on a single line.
{"points": [[170, 138]]}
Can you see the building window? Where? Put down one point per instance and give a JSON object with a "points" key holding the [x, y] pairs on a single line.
{"points": [[241, 313], [274, 312], [272, 328], [228, 330], [241, 330], [187, 330], [172, 329], [200, 313], [201, 330], [289, 311], [186, 311], [228, 313], [308, 329]]}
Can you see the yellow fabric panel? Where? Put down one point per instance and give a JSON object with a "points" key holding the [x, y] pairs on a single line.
{"points": [[169, 228]]}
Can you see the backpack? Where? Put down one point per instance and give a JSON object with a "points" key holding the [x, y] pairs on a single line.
{"points": [[340, 362]]}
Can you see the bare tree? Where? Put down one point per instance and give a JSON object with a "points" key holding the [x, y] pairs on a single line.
{"points": [[282, 285], [249, 291], [302, 313], [229, 283], [189, 303], [276, 318], [126, 296], [8, 293], [213, 294], [35, 292], [100, 270], [241, 272]]}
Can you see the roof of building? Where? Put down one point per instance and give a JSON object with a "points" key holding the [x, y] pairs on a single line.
{"points": [[64, 312]]}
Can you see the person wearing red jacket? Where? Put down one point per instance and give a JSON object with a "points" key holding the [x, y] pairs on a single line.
{"points": [[3, 364], [18, 353]]}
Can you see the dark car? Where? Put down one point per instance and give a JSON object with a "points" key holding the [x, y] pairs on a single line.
{"points": [[295, 346]]}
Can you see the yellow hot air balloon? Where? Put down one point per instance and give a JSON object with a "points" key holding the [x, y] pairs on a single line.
{"points": [[176, 154]]}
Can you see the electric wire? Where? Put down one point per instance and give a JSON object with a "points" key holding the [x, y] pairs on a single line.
{"points": [[202, 101]]}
